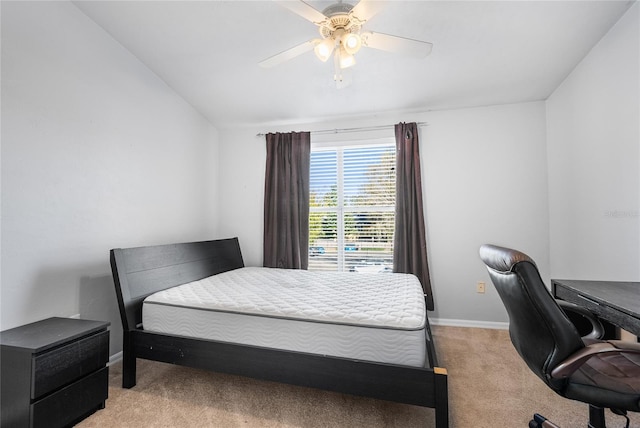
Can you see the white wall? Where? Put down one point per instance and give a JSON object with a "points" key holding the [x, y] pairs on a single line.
{"points": [[594, 161], [486, 182], [97, 153], [484, 174]]}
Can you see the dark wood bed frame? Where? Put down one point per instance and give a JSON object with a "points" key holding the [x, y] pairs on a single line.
{"points": [[139, 272]]}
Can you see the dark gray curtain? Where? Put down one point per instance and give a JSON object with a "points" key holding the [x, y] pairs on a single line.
{"points": [[410, 243], [286, 200]]}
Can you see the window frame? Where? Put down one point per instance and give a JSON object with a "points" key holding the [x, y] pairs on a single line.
{"points": [[339, 147]]}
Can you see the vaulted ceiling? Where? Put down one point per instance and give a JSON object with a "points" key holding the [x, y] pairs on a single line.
{"points": [[484, 53]]}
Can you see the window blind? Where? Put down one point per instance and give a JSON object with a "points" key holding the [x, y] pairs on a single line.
{"points": [[352, 208]]}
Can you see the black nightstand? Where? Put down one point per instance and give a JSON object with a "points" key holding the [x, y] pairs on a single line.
{"points": [[53, 372]]}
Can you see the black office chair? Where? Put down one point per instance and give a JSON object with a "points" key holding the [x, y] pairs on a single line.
{"points": [[603, 374]]}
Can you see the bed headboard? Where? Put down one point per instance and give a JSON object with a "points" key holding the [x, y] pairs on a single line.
{"points": [[139, 272]]}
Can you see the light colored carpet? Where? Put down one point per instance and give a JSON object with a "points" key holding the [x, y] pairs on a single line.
{"points": [[489, 386]]}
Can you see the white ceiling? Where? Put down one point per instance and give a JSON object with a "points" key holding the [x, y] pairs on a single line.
{"points": [[484, 53]]}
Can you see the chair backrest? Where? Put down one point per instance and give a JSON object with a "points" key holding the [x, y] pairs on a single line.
{"points": [[540, 331]]}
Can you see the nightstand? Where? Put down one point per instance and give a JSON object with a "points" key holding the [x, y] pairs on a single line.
{"points": [[53, 373]]}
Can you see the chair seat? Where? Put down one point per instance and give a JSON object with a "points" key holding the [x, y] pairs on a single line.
{"points": [[608, 380]]}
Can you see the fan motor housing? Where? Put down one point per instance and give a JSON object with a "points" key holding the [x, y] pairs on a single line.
{"points": [[339, 18], [337, 9]]}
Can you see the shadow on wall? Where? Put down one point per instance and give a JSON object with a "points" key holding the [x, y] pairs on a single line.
{"points": [[98, 302]]}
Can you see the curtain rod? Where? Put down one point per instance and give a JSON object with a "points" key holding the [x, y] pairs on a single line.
{"points": [[343, 130]]}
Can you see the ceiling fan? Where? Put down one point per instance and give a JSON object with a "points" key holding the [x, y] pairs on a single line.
{"points": [[340, 26]]}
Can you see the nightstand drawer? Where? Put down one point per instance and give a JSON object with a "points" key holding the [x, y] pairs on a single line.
{"points": [[61, 366], [72, 402]]}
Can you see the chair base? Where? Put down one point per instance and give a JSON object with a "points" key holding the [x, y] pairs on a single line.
{"points": [[539, 421], [596, 417]]}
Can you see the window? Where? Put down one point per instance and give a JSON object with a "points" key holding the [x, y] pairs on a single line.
{"points": [[352, 208]]}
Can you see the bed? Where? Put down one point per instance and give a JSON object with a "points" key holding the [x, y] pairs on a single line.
{"points": [[150, 278]]}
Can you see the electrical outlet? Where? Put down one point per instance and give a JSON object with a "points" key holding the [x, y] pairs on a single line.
{"points": [[480, 287]]}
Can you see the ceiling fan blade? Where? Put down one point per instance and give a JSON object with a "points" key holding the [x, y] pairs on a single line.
{"points": [[288, 54], [367, 9], [303, 9], [396, 44]]}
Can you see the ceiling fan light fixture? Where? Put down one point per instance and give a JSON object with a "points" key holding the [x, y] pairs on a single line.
{"points": [[341, 36], [346, 59], [324, 49], [352, 43]]}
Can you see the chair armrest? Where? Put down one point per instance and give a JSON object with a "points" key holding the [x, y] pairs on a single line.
{"points": [[597, 329], [575, 361]]}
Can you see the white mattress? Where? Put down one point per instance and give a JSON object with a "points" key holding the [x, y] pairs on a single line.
{"points": [[375, 317]]}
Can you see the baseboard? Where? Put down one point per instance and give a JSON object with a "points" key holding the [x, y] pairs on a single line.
{"points": [[469, 323], [115, 358]]}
